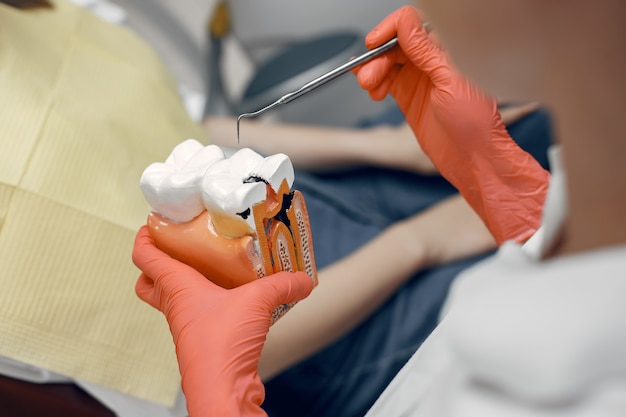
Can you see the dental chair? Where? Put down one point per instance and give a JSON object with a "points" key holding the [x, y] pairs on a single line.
{"points": [[279, 46]]}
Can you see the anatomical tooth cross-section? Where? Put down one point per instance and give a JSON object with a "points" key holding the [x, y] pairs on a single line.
{"points": [[234, 219]]}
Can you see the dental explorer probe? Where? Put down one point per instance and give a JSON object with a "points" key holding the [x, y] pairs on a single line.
{"points": [[323, 79]]}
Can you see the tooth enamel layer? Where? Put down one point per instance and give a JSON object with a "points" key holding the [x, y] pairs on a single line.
{"points": [[194, 178], [172, 188], [235, 185]]}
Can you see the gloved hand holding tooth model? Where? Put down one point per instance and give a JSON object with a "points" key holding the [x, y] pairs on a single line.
{"points": [[232, 219], [219, 333], [219, 223]]}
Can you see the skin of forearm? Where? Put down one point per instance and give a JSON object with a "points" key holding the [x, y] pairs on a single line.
{"points": [[352, 288], [348, 291], [449, 231], [308, 147], [512, 114], [396, 147], [319, 148]]}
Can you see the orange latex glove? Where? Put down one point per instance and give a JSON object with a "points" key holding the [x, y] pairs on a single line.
{"points": [[457, 126], [219, 333]]}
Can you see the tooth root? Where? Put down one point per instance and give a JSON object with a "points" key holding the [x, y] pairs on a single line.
{"points": [[289, 248], [301, 229], [281, 248], [283, 255], [280, 311]]}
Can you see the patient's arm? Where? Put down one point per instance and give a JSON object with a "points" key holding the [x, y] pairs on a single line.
{"points": [[512, 113], [350, 289], [319, 147]]}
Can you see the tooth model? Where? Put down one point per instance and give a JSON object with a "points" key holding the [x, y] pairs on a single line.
{"points": [[233, 219]]}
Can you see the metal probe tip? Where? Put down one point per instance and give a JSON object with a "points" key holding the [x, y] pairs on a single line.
{"points": [[238, 120], [327, 77], [256, 113]]}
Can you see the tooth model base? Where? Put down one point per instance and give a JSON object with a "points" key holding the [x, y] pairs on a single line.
{"points": [[281, 242], [228, 262]]}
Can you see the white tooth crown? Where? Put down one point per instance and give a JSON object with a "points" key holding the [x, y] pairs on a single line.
{"points": [[236, 184], [172, 187], [194, 178], [274, 170]]}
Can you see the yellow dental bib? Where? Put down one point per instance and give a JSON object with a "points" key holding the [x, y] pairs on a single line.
{"points": [[85, 107]]}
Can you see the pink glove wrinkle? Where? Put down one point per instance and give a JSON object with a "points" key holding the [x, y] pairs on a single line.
{"points": [[458, 127], [219, 333]]}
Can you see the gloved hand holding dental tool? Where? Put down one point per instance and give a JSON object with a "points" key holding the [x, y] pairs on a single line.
{"points": [[457, 126]]}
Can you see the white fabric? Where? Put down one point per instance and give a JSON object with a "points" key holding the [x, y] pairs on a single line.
{"points": [[30, 373], [524, 337]]}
